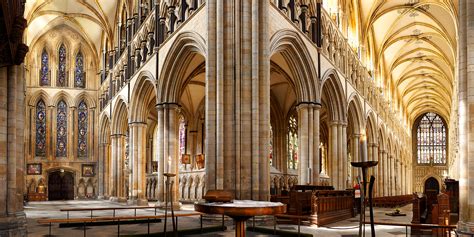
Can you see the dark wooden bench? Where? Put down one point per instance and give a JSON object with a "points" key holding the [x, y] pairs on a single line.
{"points": [[393, 201], [117, 219]]}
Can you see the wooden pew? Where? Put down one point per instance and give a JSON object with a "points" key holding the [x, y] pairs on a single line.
{"points": [[321, 207], [393, 201], [117, 219]]}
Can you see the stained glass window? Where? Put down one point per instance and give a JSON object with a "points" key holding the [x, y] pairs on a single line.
{"points": [[293, 142], [431, 140], [182, 136], [62, 66], [44, 71], [40, 149], [270, 146], [82, 129], [79, 71], [61, 129]]}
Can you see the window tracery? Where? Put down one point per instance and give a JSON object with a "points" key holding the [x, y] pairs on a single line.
{"points": [[40, 148], [61, 129], [79, 71], [82, 129], [62, 80], [293, 142], [431, 140], [44, 71]]}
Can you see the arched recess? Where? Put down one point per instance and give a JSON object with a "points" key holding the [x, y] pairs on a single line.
{"points": [[179, 60], [105, 159], [118, 179], [382, 166], [293, 93], [143, 120], [333, 114], [355, 122], [181, 94]]}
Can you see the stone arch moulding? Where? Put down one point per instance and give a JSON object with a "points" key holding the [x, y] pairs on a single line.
{"points": [[143, 89], [178, 57], [293, 49], [331, 84]]}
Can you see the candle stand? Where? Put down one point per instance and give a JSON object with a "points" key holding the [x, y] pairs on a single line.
{"points": [[169, 198], [364, 166]]}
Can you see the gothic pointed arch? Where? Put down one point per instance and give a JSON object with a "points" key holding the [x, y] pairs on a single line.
{"points": [[188, 47], [143, 93], [40, 124], [333, 96], [82, 129], [79, 73], [293, 50], [62, 129], [44, 73], [61, 80]]}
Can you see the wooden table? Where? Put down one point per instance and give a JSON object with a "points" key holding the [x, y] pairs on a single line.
{"points": [[241, 210]]}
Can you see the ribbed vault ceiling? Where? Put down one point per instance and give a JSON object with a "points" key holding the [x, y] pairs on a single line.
{"points": [[91, 18], [414, 51]]}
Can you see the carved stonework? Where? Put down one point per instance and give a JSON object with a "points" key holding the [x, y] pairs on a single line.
{"points": [[12, 26]]}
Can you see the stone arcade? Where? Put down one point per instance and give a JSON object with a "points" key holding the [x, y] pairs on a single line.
{"points": [[100, 98]]}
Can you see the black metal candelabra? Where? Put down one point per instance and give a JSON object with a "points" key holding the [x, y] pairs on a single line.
{"points": [[169, 198], [364, 166]]}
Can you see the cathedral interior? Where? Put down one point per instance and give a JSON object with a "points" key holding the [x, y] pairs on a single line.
{"points": [[102, 103]]}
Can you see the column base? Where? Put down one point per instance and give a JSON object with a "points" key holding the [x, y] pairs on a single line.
{"points": [[13, 225], [138, 202], [466, 228], [176, 205]]}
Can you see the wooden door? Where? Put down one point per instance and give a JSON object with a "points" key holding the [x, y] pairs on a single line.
{"points": [[60, 186]]}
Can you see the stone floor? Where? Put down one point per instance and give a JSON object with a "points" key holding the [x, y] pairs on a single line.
{"points": [[38, 210]]}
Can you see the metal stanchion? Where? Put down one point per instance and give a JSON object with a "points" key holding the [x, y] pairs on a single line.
{"points": [[169, 198], [364, 166]]}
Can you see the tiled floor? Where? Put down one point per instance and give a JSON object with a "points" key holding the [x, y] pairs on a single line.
{"points": [[38, 210]]}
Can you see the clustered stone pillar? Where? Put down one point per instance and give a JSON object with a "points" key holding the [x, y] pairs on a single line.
{"points": [[137, 182], [12, 114], [338, 164], [103, 170], [356, 156], [117, 179], [308, 140], [238, 98], [168, 149]]}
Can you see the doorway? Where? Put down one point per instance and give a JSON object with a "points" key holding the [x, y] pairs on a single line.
{"points": [[431, 192], [60, 185]]}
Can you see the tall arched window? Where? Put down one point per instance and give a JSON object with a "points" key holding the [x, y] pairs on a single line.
{"points": [[82, 129], [61, 129], [431, 140], [79, 71], [62, 69], [44, 70], [293, 142], [270, 146], [182, 136], [40, 148]]}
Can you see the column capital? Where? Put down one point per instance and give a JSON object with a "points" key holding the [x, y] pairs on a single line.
{"points": [[116, 135], [137, 124], [373, 144]]}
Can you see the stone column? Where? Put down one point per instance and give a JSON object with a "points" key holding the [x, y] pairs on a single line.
{"points": [[303, 143], [103, 180], [168, 149], [137, 163], [344, 165], [339, 174], [356, 155], [332, 153], [308, 140], [392, 175], [238, 98], [12, 216]]}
